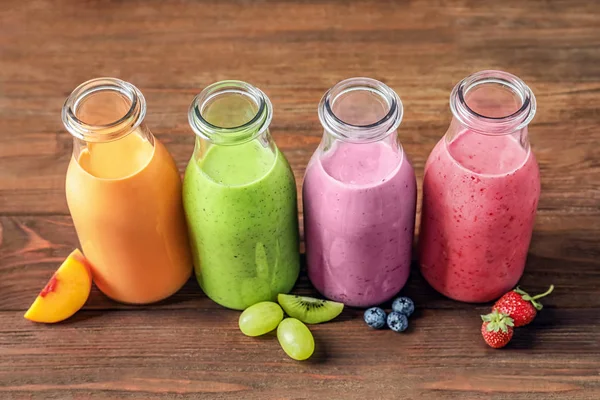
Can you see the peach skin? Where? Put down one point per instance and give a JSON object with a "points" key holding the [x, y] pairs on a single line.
{"points": [[65, 293]]}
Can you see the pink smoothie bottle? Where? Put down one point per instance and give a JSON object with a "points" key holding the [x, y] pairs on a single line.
{"points": [[480, 191], [359, 197]]}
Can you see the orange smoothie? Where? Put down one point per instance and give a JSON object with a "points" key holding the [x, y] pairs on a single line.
{"points": [[125, 200]]}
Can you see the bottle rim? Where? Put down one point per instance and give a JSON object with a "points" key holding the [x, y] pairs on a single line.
{"points": [[353, 133], [113, 130], [493, 125], [236, 135]]}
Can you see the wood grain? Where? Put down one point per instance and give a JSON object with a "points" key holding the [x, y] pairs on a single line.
{"points": [[189, 348], [139, 356], [39, 243]]}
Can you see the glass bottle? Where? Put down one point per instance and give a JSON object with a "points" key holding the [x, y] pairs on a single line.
{"points": [[480, 191], [124, 194], [239, 196], [359, 197]]}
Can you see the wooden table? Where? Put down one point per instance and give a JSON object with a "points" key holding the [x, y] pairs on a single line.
{"points": [[189, 348]]}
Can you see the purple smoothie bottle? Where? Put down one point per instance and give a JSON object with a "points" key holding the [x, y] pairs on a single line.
{"points": [[359, 197]]}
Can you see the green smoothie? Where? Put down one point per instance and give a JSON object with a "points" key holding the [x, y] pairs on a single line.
{"points": [[240, 204]]}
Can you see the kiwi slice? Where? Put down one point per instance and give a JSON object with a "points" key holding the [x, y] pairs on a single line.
{"points": [[309, 310]]}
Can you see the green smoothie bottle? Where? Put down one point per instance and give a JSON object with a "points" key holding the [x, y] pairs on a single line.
{"points": [[239, 196]]}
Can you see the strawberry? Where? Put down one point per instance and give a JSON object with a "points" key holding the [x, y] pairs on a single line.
{"points": [[497, 329], [520, 306]]}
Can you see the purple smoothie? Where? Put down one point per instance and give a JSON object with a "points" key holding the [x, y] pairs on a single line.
{"points": [[359, 216]]}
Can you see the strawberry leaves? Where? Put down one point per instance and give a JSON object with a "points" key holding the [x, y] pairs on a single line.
{"points": [[497, 321]]}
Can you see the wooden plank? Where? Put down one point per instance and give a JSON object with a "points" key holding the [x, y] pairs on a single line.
{"points": [[33, 183], [171, 56], [564, 252], [164, 354]]}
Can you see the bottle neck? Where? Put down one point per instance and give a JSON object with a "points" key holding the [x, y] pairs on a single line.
{"points": [[493, 103], [359, 111], [105, 117], [488, 133], [360, 145], [231, 122], [230, 113], [104, 110]]}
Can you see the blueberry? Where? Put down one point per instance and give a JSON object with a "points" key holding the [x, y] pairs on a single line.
{"points": [[397, 322], [403, 305], [375, 317]]}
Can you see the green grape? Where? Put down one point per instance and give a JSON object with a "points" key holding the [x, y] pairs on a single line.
{"points": [[295, 339], [260, 318]]}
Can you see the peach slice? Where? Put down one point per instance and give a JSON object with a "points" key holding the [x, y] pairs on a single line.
{"points": [[65, 293]]}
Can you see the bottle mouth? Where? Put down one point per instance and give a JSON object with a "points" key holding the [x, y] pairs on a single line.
{"points": [[230, 113], [360, 110], [103, 110], [493, 103]]}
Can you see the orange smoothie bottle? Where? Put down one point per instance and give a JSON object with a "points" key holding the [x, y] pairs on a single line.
{"points": [[124, 193]]}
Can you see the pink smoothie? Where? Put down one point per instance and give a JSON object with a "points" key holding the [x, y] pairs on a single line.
{"points": [[480, 195], [359, 215]]}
